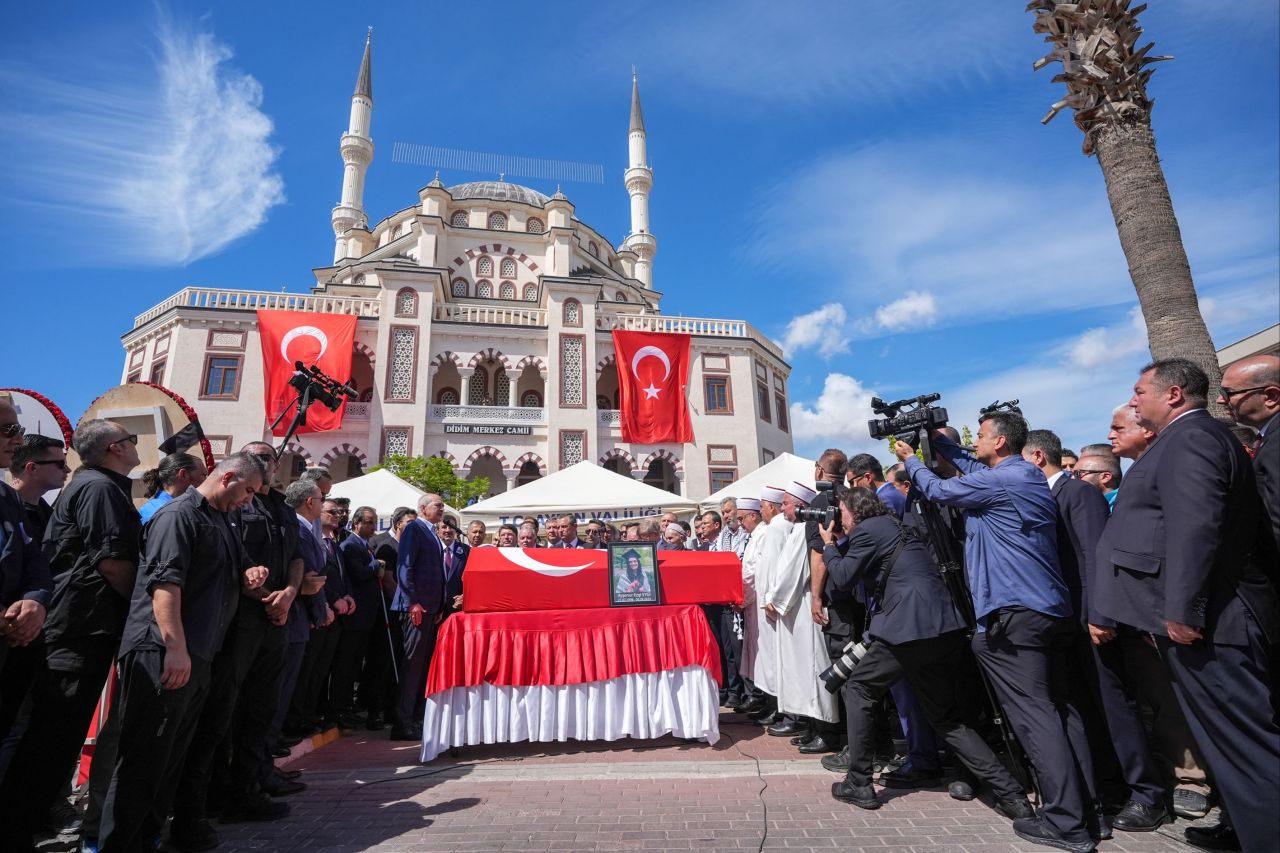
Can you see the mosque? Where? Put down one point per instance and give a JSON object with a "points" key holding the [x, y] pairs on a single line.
{"points": [[485, 313]]}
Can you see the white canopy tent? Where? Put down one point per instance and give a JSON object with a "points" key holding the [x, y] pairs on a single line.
{"points": [[584, 489], [383, 491], [777, 472]]}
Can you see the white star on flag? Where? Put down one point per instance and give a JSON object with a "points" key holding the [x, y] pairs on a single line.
{"points": [[651, 393]]}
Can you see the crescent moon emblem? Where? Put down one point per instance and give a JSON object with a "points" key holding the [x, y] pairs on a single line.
{"points": [[303, 332], [525, 561], [646, 352]]}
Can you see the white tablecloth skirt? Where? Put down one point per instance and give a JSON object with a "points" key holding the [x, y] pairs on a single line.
{"points": [[684, 702]]}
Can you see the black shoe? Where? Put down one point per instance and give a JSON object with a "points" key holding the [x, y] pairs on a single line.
{"points": [[749, 706], [837, 762], [375, 723], [1136, 817], [1035, 830], [193, 837], [1015, 808], [63, 818], [801, 740], [275, 786], [862, 796], [281, 752], [769, 719], [960, 790], [786, 728], [291, 741], [251, 808], [817, 744], [1191, 805], [287, 774], [404, 734], [907, 776], [1216, 837]]}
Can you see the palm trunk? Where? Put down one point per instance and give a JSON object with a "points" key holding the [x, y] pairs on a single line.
{"points": [[1152, 244]]}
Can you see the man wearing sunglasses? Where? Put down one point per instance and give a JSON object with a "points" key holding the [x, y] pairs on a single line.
{"points": [[92, 544], [39, 466], [1251, 392]]}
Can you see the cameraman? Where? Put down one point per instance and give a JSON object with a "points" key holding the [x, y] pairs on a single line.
{"points": [[915, 632], [1024, 625]]}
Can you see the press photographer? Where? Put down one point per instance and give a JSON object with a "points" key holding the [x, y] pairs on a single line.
{"points": [[1023, 615], [914, 632]]}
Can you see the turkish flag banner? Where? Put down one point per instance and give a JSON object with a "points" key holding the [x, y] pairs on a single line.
{"points": [[316, 340], [653, 380]]}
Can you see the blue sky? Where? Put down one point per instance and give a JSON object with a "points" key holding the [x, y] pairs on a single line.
{"points": [[868, 183]]}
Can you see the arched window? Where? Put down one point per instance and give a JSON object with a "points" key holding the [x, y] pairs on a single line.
{"points": [[484, 266], [531, 400], [620, 297], [407, 303], [508, 267], [478, 389], [484, 290], [459, 287], [507, 290], [501, 388], [533, 225], [497, 222], [459, 219], [572, 312], [531, 293], [593, 248], [447, 397]]}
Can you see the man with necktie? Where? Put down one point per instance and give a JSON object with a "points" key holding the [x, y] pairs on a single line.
{"points": [[420, 605], [362, 628], [455, 560]]}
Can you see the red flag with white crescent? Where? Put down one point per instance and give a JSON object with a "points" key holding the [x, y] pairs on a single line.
{"points": [[653, 379], [316, 340]]}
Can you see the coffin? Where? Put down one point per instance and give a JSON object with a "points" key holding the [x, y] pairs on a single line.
{"points": [[506, 579]]}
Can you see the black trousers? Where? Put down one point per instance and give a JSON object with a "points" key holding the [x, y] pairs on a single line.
{"points": [[294, 653], [1227, 693], [19, 667], [1086, 697], [419, 645], [62, 704], [721, 619], [1025, 655], [156, 727], [243, 692], [354, 646], [376, 671], [1112, 671], [311, 692], [106, 750]]}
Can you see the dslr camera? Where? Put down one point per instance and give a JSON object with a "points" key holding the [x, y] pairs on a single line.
{"points": [[830, 514], [834, 676]]}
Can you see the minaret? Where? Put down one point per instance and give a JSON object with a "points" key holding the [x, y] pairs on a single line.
{"points": [[357, 153], [639, 180]]}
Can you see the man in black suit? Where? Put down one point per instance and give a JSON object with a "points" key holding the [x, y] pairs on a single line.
{"points": [[1185, 556], [1251, 393], [915, 632], [363, 628], [455, 555], [1122, 761]]}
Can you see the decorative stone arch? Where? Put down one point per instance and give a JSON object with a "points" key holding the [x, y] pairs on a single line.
{"points": [[344, 449], [536, 362], [485, 355], [445, 358], [534, 458], [499, 251], [676, 465], [297, 450], [486, 451], [605, 362], [620, 453], [366, 351], [444, 454]]}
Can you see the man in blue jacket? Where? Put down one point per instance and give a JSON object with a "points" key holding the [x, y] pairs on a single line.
{"points": [[420, 605]]}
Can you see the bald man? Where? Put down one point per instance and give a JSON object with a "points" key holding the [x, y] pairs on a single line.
{"points": [[1251, 393]]}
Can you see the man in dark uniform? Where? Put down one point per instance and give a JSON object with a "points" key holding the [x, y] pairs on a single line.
{"points": [[25, 585], [91, 545], [1025, 627], [454, 555], [363, 628], [916, 633], [245, 677], [1251, 393], [421, 605], [1188, 556], [189, 583]]}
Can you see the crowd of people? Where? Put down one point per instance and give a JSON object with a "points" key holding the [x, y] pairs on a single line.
{"points": [[1123, 622]]}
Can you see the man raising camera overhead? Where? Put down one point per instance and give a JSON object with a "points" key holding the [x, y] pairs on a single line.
{"points": [[1024, 616]]}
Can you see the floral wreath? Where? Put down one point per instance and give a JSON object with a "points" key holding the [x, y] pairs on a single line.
{"points": [[186, 410], [58, 416]]}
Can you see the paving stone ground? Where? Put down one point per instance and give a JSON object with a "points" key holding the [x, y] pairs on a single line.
{"points": [[748, 792]]}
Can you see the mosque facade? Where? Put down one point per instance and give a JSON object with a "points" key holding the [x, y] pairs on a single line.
{"points": [[485, 314]]}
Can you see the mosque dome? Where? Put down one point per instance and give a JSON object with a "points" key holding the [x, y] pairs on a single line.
{"points": [[498, 191]]}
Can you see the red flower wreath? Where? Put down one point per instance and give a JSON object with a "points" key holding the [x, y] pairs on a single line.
{"points": [[58, 416]]}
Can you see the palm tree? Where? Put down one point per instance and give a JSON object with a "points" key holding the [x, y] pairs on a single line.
{"points": [[1106, 76]]}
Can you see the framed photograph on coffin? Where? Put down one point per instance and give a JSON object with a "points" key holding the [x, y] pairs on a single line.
{"points": [[633, 574]]}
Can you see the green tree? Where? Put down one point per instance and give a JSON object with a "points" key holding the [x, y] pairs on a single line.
{"points": [[966, 436], [433, 474]]}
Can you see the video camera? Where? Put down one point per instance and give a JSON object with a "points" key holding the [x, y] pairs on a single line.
{"points": [[906, 425], [312, 383], [1010, 406]]}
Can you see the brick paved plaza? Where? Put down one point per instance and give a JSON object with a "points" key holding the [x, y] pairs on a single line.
{"points": [[367, 793]]}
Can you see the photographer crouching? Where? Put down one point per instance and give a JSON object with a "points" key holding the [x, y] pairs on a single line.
{"points": [[916, 633]]}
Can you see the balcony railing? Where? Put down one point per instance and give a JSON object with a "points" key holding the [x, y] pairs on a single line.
{"points": [[254, 300], [501, 315], [515, 415], [608, 417], [358, 411], [685, 325]]}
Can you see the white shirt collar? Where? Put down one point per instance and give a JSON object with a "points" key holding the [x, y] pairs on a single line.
{"points": [[1055, 478]]}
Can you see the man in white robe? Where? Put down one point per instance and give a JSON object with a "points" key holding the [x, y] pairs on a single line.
{"points": [[801, 650], [748, 510], [771, 535]]}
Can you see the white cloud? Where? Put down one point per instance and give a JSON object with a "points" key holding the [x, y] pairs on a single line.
{"points": [[822, 328], [1104, 345], [158, 169], [839, 416], [913, 310]]}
